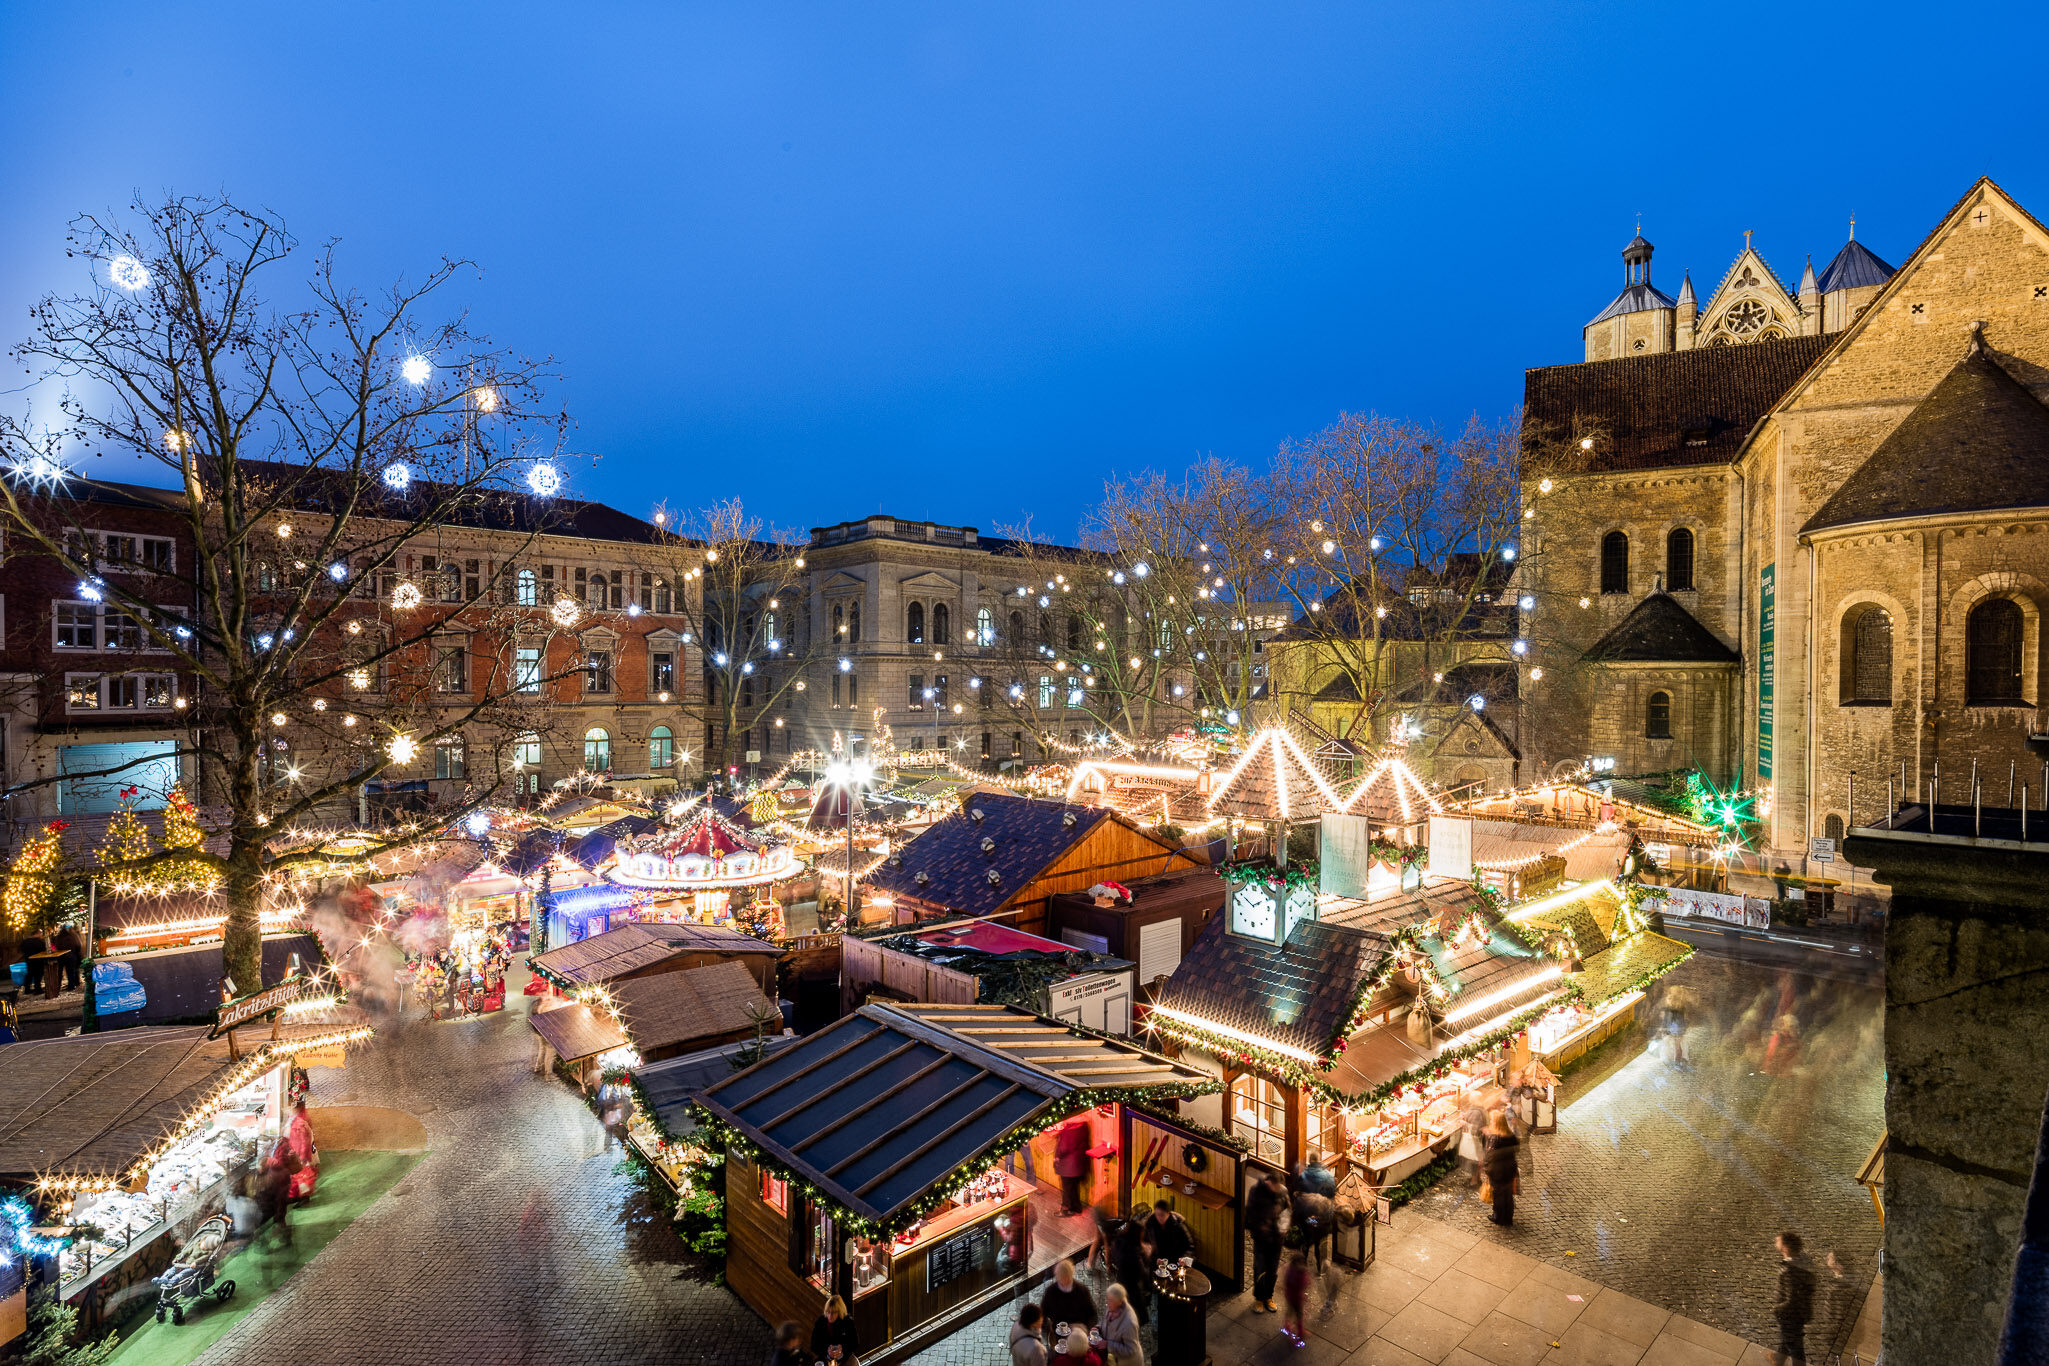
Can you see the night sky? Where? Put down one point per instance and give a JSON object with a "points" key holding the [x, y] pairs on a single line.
{"points": [[962, 262]]}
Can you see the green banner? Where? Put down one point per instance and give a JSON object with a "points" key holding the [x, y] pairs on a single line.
{"points": [[1767, 621]]}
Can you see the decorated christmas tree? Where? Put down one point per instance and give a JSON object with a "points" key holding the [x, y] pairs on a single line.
{"points": [[182, 840], [126, 841], [29, 884]]}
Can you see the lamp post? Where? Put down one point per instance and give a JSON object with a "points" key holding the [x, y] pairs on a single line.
{"points": [[849, 775]]}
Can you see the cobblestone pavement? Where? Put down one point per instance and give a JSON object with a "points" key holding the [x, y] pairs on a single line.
{"points": [[513, 1240], [1669, 1184]]}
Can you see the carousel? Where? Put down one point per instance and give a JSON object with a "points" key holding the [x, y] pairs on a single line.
{"points": [[716, 869]]}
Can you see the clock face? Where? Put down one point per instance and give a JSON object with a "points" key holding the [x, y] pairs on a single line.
{"points": [[1254, 913], [1301, 906]]}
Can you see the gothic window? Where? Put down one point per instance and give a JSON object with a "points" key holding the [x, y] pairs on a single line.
{"points": [[914, 624], [985, 627], [1657, 716], [839, 621], [1868, 671], [1615, 563], [942, 624], [1746, 317], [854, 622], [1679, 561], [1993, 641]]}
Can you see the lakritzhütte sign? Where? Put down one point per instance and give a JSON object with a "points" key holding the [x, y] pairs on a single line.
{"points": [[246, 1008]]}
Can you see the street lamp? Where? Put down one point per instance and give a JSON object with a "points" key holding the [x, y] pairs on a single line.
{"points": [[850, 775]]}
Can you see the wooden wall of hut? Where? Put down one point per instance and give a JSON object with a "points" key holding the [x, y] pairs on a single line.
{"points": [[1156, 1152], [758, 1243]]}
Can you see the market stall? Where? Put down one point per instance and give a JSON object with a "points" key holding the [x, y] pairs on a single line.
{"points": [[868, 1160], [652, 1018], [1611, 957], [648, 949]]}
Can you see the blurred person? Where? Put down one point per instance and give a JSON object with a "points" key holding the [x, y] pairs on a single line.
{"points": [[1472, 1143], [1295, 1295], [305, 1157], [1312, 1217], [71, 944], [1071, 1162], [1794, 1308], [1266, 1209], [789, 1346], [1841, 1302], [1128, 1262], [1120, 1329], [278, 1170], [32, 944], [834, 1340], [1027, 1347], [1503, 1157], [1067, 1300]]}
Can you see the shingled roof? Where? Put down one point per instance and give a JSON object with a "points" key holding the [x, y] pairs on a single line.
{"points": [[1855, 267], [948, 866], [1298, 995], [1979, 442], [1679, 408], [604, 957], [1660, 631]]}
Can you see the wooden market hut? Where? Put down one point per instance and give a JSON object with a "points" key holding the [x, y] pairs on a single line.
{"points": [[1154, 929], [649, 948], [659, 1017], [1613, 957], [863, 1162], [1007, 855]]}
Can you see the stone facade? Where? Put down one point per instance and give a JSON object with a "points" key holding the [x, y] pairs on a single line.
{"points": [[1943, 537]]}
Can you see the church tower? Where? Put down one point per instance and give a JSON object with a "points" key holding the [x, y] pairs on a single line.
{"points": [[1640, 320]]}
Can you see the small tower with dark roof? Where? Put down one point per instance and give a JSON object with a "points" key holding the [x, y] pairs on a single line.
{"points": [[1639, 321], [1685, 315], [1850, 282], [1810, 302]]}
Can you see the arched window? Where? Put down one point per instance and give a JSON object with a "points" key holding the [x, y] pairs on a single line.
{"points": [[529, 589], [1832, 828], [1867, 671], [1615, 563], [1657, 716], [942, 624], [1073, 631], [1993, 640], [661, 748], [768, 635], [597, 750], [1679, 561], [854, 622], [985, 627], [1017, 633], [914, 624]]}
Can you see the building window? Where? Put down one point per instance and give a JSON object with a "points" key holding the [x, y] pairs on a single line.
{"points": [[664, 599], [597, 750], [452, 668], [1045, 691], [448, 758], [1615, 563], [661, 671], [775, 1193], [597, 671], [854, 622], [985, 627], [618, 589], [1657, 716], [526, 751], [914, 623], [835, 690], [526, 669], [1017, 631], [939, 699], [77, 625], [839, 620], [1678, 561], [1832, 828], [1993, 640], [528, 589], [917, 692], [986, 738], [595, 592], [120, 692], [1868, 669], [1073, 631], [853, 689], [1017, 744], [661, 748], [942, 624]]}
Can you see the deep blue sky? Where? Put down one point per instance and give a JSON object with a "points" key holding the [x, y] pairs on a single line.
{"points": [[961, 261]]}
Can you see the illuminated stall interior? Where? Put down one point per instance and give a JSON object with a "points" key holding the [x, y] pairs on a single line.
{"points": [[884, 1159]]}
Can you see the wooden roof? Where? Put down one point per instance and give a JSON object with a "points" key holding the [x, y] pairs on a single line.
{"points": [[1296, 996], [603, 957], [1275, 780], [577, 1031], [1082, 1059], [698, 1003], [881, 1106]]}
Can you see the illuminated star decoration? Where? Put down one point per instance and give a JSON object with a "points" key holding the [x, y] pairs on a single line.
{"points": [[416, 369]]}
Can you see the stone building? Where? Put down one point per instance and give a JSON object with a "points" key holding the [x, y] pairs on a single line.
{"points": [[1811, 543]]}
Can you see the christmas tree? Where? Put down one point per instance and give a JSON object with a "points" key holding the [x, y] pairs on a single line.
{"points": [[125, 842], [29, 886], [182, 841]]}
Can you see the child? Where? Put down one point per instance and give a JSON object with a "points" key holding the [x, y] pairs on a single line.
{"points": [[1295, 1292]]}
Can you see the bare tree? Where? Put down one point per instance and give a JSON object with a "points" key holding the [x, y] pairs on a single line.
{"points": [[314, 444], [746, 619]]}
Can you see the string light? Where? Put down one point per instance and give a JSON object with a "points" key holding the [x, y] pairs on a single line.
{"points": [[127, 273], [416, 369]]}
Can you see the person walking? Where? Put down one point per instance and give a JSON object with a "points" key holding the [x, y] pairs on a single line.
{"points": [[1027, 1347], [1794, 1308], [834, 1340], [1501, 1177], [71, 944], [1266, 1209], [1066, 1300], [1071, 1162], [31, 945], [1120, 1329], [1128, 1262], [789, 1347], [1295, 1292], [1313, 1217]]}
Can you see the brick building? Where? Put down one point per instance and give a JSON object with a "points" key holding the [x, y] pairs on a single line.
{"points": [[1810, 544]]}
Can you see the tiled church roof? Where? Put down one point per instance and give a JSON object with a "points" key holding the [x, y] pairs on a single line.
{"points": [[1978, 443], [1678, 408], [1660, 631], [1855, 267]]}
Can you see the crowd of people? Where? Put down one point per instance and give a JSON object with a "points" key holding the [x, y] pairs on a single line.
{"points": [[454, 986]]}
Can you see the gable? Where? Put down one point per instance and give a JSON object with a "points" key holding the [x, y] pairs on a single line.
{"points": [[842, 581], [1749, 305], [929, 582]]}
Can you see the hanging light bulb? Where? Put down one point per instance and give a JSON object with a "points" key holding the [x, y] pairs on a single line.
{"points": [[403, 749]]}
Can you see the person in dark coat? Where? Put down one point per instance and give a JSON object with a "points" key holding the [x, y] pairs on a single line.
{"points": [[1128, 1261], [1167, 1238], [68, 942], [1067, 1300], [789, 1346], [1794, 1308], [1264, 1205], [31, 945], [1503, 1152], [833, 1339], [1071, 1162], [1314, 1218]]}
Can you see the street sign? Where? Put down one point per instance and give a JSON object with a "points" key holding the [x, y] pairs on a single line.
{"points": [[1821, 850], [753, 756]]}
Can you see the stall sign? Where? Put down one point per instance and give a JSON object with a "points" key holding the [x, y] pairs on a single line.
{"points": [[958, 1256], [246, 1008], [334, 1056]]}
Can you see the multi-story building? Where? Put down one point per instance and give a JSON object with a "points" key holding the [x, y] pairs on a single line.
{"points": [[1811, 559]]}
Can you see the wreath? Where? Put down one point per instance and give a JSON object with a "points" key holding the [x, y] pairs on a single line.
{"points": [[1194, 1156]]}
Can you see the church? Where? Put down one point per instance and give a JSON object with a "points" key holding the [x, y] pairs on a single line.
{"points": [[1799, 539]]}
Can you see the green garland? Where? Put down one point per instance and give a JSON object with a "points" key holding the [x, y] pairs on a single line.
{"points": [[1423, 1180], [1403, 856], [1300, 874]]}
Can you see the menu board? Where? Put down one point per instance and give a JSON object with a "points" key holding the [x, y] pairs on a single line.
{"points": [[957, 1256]]}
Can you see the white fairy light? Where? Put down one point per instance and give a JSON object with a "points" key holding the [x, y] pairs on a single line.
{"points": [[1477, 702], [487, 399], [127, 273], [416, 369], [1527, 602], [846, 666], [89, 590], [403, 749], [1375, 543], [477, 823], [1141, 569], [407, 596], [1330, 547], [1521, 647], [544, 480], [1508, 552], [337, 571], [397, 475], [565, 611]]}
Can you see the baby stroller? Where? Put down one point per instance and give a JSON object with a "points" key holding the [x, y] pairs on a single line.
{"points": [[189, 1277]]}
